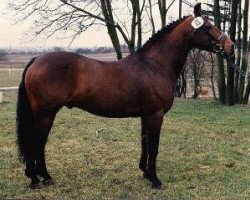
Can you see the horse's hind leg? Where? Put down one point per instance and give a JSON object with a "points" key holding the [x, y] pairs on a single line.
{"points": [[31, 173], [41, 169], [144, 150], [43, 126]]}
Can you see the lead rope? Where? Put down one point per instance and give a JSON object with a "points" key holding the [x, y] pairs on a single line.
{"points": [[233, 65], [240, 71]]}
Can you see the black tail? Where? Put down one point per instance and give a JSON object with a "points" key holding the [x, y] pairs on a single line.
{"points": [[24, 120]]}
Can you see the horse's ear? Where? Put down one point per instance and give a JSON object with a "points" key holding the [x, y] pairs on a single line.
{"points": [[197, 10]]}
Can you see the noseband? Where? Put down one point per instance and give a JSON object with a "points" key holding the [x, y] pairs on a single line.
{"points": [[216, 45]]}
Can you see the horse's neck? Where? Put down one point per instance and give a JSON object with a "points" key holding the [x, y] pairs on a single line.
{"points": [[170, 52]]}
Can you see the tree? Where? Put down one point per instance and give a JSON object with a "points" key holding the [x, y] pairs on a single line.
{"points": [[212, 76], [150, 15], [110, 24], [136, 22], [247, 92], [238, 62], [230, 100], [197, 60], [244, 53], [180, 8], [221, 75], [163, 9], [181, 86], [76, 16], [231, 88]]}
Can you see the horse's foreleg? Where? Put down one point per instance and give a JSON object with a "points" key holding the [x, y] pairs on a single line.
{"points": [[153, 127], [144, 150]]}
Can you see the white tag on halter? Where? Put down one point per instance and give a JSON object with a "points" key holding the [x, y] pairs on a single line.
{"points": [[197, 22]]}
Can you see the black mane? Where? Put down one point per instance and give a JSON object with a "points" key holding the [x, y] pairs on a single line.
{"points": [[166, 30]]}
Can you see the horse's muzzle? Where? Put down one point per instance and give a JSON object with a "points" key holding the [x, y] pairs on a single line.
{"points": [[227, 53], [217, 48]]}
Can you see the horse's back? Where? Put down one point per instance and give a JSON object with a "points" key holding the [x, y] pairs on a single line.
{"points": [[67, 79]]}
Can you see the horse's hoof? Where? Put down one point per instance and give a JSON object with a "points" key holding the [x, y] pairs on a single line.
{"points": [[146, 176], [157, 186], [35, 186], [48, 182], [142, 167], [156, 183]]}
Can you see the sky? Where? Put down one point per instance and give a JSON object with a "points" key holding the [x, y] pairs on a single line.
{"points": [[14, 35]]}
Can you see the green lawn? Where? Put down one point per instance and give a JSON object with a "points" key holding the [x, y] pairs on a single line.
{"points": [[204, 154], [10, 78]]}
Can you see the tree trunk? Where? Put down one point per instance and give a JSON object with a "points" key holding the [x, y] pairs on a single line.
{"points": [[136, 22], [184, 83], [108, 15], [196, 89], [244, 51], [236, 87], [247, 93], [221, 75], [131, 45], [151, 16], [139, 25], [221, 80], [212, 76], [162, 9], [230, 70], [180, 9]]}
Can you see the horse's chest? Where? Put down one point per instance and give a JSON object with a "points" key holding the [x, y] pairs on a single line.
{"points": [[158, 95]]}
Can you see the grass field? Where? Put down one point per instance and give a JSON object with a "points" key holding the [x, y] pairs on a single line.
{"points": [[204, 154], [10, 78]]}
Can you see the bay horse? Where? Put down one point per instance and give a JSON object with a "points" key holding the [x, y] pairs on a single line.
{"points": [[139, 85]]}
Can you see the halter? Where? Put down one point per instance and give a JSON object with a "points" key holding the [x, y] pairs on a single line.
{"points": [[216, 43], [217, 46], [221, 37]]}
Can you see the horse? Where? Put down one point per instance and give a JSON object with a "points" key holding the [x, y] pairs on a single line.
{"points": [[141, 84]]}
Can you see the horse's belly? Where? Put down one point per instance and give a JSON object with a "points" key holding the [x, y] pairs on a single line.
{"points": [[108, 108], [115, 114], [110, 112]]}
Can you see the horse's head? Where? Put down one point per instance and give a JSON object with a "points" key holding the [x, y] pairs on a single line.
{"points": [[208, 37]]}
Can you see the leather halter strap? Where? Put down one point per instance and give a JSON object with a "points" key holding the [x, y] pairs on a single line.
{"points": [[221, 37], [217, 46], [216, 41]]}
